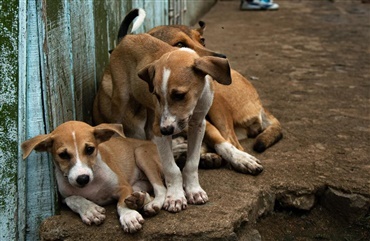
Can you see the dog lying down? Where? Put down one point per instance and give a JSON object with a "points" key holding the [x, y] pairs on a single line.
{"points": [[96, 165]]}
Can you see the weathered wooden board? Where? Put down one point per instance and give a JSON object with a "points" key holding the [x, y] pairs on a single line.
{"points": [[36, 191], [83, 57], [59, 77]]}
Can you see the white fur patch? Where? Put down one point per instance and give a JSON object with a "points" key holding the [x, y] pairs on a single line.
{"points": [[166, 118], [187, 50], [139, 20], [89, 211], [79, 168], [130, 220], [165, 77]]}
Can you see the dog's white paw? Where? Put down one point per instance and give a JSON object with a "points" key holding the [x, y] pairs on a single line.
{"points": [[196, 195], [89, 212], [175, 200], [239, 160], [246, 163], [131, 221], [153, 207], [93, 214]]}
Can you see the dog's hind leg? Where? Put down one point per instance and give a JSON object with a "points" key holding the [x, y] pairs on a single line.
{"points": [[221, 117], [175, 200], [148, 161], [131, 220], [209, 159], [272, 132]]}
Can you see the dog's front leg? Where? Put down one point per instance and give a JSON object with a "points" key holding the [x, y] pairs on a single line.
{"points": [[130, 219], [194, 193], [175, 199], [88, 211]]}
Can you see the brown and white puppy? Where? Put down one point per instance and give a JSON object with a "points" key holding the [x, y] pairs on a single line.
{"points": [[93, 168], [176, 96]]}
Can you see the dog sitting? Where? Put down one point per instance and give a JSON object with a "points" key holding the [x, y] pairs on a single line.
{"points": [[93, 168]]}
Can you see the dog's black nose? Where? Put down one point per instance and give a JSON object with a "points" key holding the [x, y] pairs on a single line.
{"points": [[82, 180], [168, 130]]}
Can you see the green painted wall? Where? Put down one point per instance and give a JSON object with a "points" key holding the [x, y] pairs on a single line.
{"points": [[8, 116]]}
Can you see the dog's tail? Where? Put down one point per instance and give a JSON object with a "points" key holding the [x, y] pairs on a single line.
{"points": [[123, 29], [271, 135]]}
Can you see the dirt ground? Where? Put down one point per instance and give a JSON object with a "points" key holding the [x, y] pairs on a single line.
{"points": [[310, 62]]}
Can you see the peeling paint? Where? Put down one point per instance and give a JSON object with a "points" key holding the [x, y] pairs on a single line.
{"points": [[8, 117]]}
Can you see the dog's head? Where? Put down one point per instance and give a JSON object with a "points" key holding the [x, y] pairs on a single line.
{"points": [[179, 79], [182, 36], [74, 146]]}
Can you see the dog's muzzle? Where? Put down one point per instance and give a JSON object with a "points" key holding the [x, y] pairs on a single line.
{"points": [[167, 130]]}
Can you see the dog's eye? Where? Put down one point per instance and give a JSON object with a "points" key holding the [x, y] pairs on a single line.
{"points": [[177, 96], [180, 45], [64, 155], [203, 41], [89, 150]]}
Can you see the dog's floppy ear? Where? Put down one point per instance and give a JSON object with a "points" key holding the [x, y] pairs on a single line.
{"points": [[104, 132], [147, 74], [38, 143], [217, 68]]}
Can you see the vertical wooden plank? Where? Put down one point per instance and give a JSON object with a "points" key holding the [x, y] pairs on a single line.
{"points": [[156, 13], [83, 57], [107, 19], [59, 63], [8, 118], [37, 199], [22, 85]]}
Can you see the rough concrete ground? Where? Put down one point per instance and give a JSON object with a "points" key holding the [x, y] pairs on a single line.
{"points": [[310, 62]]}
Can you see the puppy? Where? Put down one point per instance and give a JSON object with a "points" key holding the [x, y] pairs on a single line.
{"points": [[93, 167]]}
